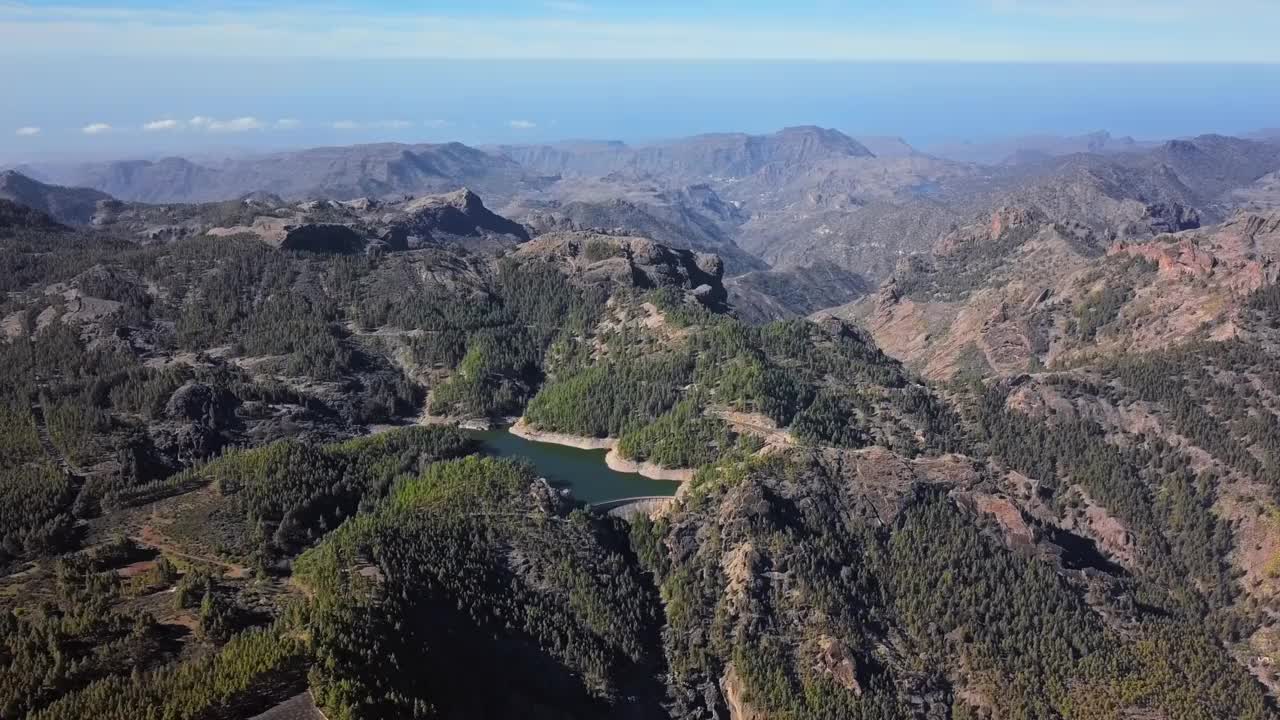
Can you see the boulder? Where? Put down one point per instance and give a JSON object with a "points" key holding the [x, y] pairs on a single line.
{"points": [[201, 403]]}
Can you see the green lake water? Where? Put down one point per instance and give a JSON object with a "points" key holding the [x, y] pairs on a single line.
{"points": [[583, 472]]}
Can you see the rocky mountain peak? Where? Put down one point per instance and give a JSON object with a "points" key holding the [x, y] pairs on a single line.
{"points": [[459, 217], [12, 181], [463, 200], [1007, 218], [806, 145], [823, 139]]}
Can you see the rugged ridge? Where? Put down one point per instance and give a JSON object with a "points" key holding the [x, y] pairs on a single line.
{"points": [[1021, 292], [68, 205], [701, 156], [459, 218]]}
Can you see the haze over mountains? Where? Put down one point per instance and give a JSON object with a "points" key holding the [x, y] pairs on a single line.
{"points": [[803, 197]]}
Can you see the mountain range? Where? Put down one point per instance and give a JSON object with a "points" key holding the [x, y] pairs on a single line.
{"points": [[801, 197]]}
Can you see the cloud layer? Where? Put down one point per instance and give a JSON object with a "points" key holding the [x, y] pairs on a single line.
{"points": [[249, 123], [240, 124], [161, 125], [205, 123]]}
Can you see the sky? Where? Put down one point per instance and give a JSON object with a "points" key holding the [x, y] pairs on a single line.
{"points": [[97, 78]]}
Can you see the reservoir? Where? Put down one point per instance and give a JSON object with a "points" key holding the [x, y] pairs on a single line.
{"points": [[583, 472]]}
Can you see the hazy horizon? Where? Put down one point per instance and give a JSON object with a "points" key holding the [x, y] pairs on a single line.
{"points": [[138, 108], [139, 78]]}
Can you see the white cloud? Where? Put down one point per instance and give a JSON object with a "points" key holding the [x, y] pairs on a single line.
{"points": [[28, 131], [288, 124], [96, 129], [345, 125], [522, 124], [161, 125], [437, 124], [240, 124]]}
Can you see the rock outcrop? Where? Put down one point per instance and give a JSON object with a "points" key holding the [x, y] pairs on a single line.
{"points": [[632, 261], [458, 217], [199, 421]]}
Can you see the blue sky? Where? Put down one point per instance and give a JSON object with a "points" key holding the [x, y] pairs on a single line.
{"points": [[97, 77], [969, 30]]}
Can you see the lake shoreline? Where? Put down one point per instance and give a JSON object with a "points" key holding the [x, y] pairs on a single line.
{"points": [[520, 428], [617, 463], [613, 459]]}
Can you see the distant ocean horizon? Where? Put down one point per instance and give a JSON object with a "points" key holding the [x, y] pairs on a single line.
{"points": [[329, 102]]}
